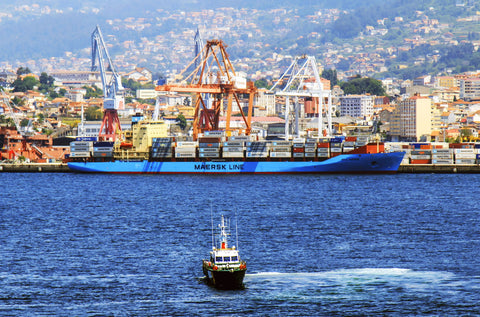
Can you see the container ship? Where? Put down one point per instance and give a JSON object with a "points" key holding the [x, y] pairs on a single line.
{"points": [[214, 153]]}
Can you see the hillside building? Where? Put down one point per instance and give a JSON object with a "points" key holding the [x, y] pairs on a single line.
{"points": [[357, 106], [412, 120]]}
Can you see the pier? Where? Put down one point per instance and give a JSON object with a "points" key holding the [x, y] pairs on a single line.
{"points": [[34, 168]]}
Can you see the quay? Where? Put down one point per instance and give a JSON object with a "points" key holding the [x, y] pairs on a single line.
{"points": [[34, 168], [439, 168]]}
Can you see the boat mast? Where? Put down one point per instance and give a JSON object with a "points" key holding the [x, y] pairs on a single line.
{"points": [[211, 219], [223, 234]]}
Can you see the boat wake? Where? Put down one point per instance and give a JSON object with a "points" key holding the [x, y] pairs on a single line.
{"points": [[361, 280]]}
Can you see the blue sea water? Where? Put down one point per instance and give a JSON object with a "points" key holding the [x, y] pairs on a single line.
{"points": [[328, 245]]}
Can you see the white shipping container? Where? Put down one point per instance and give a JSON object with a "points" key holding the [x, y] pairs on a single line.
{"points": [[465, 161], [232, 154], [348, 149], [464, 151], [280, 149], [469, 156], [323, 154], [336, 150], [442, 161], [80, 154], [233, 149], [280, 154], [186, 144], [185, 150], [420, 157], [257, 154], [185, 155]]}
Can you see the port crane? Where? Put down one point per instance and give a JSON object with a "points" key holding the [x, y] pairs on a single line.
{"points": [[301, 79], [25, 132], [213, 79], [113, 98]]}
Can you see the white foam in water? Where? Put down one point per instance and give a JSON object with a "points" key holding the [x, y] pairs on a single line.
{"points": [[406, 277]]}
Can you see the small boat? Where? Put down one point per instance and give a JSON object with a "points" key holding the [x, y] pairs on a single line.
{"points": [[224, 269]]}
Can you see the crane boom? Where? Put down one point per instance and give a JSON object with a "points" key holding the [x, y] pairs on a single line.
{"points": [[112, 87]]}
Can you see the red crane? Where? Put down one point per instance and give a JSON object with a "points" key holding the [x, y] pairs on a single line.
{"points": [[211, 81]]}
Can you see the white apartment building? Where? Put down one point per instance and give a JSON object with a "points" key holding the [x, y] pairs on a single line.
{"points": [[412, 120], [470, 88], [357, 106]]}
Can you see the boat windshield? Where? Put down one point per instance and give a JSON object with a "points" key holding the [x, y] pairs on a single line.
{"points": [[226, 259], [234, 258], [218, 259]]}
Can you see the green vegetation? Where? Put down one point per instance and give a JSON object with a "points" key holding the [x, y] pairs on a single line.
{"points": [[25, 84], [359, 86], [181, 121], [93, 92], [93, 113]]}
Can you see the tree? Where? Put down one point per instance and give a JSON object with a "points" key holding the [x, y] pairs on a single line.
{"points": [[360, 86], [93, 113], [330, 74], [181, 121], [23, 71], [261, 83], [27, 83]]}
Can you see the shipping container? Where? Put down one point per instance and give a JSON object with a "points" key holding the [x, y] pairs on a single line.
{"points": [[257, 154], [209, 154], [79, 154], [86, 139], [468, 156], [280, 149], [234, 143], [101, 149], [336, 150], [298, 150], [206, 145], [102, 154], [209, 140], [185, 155], [310, 155], [209, 150], [323, 154], [232, 154], [348, 149], [297, 155], [186, 144], [281, 143], [465, 161], [81, 143], [418, 152], [323, 145], [280, 154], [420, 161], [185, 149], [442, 161], [310, 150], [420, 157], [232, 149]]}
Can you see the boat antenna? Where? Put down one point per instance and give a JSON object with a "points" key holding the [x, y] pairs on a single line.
{"points": [[211, 218], [236, 228]]}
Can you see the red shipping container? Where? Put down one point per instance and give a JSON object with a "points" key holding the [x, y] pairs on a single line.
{"points": [[350, 138], [298, 150], [323, 145], [420, 161]]}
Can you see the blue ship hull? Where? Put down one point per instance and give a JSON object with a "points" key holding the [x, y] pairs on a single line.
{"points": [[345, 163]]}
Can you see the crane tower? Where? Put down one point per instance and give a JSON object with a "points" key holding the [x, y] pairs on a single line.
{"points": [[112, 87], [302, 79]]}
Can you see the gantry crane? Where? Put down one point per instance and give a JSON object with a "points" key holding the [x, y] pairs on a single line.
{"points": [[302, 79], [214, 77], [112, 88]]}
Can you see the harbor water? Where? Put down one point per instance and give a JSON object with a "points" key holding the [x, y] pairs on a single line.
{"points": [[328, 245]]}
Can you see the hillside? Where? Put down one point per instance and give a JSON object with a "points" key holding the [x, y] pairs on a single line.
{"points": [[42, 29]]}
